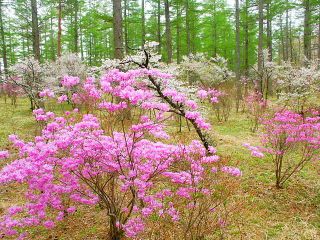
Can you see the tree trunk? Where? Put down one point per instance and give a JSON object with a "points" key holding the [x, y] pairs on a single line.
{"points": [[3, 41], [168, 31], [188, 27], [214, 31], [286, 57], [260, 45], [283, 51], [159, 26], [59, 28], [307, 30], [178, 33], [143, 27], [117, 29], [238, 56], [126, 27], [35, 30], [269, 31], [53, 52], [76, 33], [246, 40]]}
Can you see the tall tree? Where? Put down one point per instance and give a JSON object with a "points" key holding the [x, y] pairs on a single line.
{"points": [[59, 46], [143, 25], [35, 30], [159, 25], [269, 30], [238, 63], [3, 41], [260, 43], [168, 31], [188, 26], [117, 29], [76, 26], [307, 30]]}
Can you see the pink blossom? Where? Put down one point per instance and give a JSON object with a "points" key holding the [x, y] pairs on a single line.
{"points": [[69, 81], [62, 98], [4, 154]]}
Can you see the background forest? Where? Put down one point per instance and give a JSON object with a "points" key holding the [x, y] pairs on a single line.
{"points": [[160, 119], [289, 29]]}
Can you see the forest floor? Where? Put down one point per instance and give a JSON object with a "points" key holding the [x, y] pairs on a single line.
{"points": [[264, 213]]}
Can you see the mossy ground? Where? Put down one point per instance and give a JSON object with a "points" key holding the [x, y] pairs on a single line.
{"points": [[264, 213]]}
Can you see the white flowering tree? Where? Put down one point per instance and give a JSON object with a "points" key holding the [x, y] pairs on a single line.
{"points": [[67, 65], [212, 72], [296, 87], [28, 74]]}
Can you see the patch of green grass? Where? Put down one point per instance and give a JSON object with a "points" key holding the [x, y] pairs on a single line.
{"points": [[16, 120]]}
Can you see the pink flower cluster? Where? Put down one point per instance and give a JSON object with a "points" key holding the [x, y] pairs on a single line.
{"points": [[133, 88], [70, 81], [287, 129], [46, 93], [255, 151], [232, 171], [4, 155], [41, 115], [62, 98], [212, 94]]}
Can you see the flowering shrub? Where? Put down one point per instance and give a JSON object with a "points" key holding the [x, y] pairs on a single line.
{"points": [[291, 140], [208, 72], [221, 103], [10, 90], [121, 165], [28, 75], [296, 85], [255, 108]]}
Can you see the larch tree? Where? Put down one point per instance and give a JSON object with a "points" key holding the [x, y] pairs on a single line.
{"points": [[3, 41], [117, 29], [35, 30], [168, 31]]}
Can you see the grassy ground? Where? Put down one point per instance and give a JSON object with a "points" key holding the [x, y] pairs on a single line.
{"points": [[265, 212]]}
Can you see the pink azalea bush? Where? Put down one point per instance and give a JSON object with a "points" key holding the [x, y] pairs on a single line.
{"points": [[101, 158], [291, 140], [70, 81], [256, 106]]}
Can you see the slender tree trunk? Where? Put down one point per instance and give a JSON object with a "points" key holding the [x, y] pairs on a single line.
{"points": [[283, 51], [81, 38], [168, 31], [117, 29], [214, 30], [178, 33], [76, 25], [188, 27], [238, 64], [286, 57], [90, 50], [307, 30], [246, 40], [59, 28], [143, 18], [3, 41], [53, 53], [159, 26], [35, 30], [291, 42], [126, 26], [260, 45], [269, 31]]}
